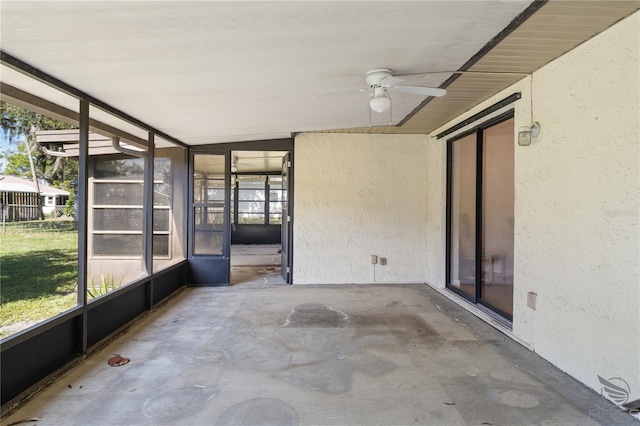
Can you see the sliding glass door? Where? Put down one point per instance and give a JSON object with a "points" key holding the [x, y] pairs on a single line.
{"points": [[480, 216]]}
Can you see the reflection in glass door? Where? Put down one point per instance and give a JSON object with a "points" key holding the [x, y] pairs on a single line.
{"points": [[480, 216], [497, 217], [463, 215]]}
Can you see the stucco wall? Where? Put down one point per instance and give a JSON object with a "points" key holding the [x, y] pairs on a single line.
{"points": [[576, 209], [358, 195], [436, 212]]}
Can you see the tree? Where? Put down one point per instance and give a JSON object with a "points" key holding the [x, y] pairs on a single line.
{"points": [[17, 121], [17, 162]]}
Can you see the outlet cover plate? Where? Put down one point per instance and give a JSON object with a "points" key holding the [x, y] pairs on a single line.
{"points": [[531, 300]]}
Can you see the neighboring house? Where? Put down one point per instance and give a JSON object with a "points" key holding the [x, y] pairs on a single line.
{"points": [[19, 198]]}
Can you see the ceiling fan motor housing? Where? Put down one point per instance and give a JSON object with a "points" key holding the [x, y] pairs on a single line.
{"points": [[374, 77]]}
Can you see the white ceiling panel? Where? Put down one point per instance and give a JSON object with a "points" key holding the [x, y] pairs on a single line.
{"points": [[207, 72]]}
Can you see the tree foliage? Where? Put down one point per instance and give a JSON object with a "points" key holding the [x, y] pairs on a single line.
{"points": [[16, 122]]}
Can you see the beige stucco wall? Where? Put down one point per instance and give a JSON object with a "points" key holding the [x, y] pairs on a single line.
{"points": [[436, 212], [358, 195], [577, 206]]}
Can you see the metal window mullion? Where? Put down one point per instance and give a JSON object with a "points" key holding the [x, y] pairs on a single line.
{"points": [[127, 181], [449, 212], [190, 207], [122, 181], [187, 178], [478, 254], [226, 236], [147, 205], [83, 230], [119, 206], [267, 199], [290, 213], [236, 201], [118, 232]]}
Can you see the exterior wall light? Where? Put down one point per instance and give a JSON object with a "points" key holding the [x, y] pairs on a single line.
{"points": [[526, 133]]}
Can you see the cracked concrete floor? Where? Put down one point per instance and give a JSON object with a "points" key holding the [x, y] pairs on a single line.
{"points": [[316, 355]]}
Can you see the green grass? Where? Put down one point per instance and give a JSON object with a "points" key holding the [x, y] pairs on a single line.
{"points": [[38, 271]]}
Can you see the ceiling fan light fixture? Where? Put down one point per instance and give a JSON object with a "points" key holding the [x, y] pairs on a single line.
{"points": [[380, 103]]}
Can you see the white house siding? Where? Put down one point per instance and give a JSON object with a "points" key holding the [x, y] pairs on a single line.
{"points": [[358, 195], [577, 205]]}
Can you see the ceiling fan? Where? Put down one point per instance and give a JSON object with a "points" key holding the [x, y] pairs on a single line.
{"points": [[381, 81]]}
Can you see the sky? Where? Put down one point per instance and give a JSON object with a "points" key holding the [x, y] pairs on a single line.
{"points": [[6, 146]]}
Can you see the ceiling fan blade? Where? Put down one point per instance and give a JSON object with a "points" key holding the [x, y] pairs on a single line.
{"points": [[342, 93], [420, 90], [366, 105], [390, 81]]}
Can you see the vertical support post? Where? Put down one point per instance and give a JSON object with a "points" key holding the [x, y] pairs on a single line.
{"points": [[189, 207], [83, 208], [479, 198], [267, 199], [449, 213], [290, 203], [226, 239], [147, 208]]}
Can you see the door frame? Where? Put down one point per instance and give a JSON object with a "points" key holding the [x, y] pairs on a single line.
{"points": [[217, 268], [479, 132], [286, 229], [210, 269]]}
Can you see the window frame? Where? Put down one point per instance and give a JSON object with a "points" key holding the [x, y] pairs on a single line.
{"points": [[92, 231], [267, 211]]}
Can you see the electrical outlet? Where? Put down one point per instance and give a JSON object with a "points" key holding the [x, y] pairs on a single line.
{"points": [[531, 300], [374, 259], [383, 260]]}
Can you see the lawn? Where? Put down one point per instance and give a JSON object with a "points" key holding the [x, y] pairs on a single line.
{"points": [[38, 272]]}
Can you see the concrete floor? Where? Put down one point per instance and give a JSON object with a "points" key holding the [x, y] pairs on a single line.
{"points": [[316, 355], [256, 265]]}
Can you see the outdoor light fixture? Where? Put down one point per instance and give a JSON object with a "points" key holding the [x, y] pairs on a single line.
{"points": [[380, 102], [526, 133]]}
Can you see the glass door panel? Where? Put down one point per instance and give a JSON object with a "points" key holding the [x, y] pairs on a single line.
{"points": [[463, 216], [208, 204], [497, 217]]}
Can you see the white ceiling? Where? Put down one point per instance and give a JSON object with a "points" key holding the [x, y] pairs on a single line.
{"points": [[208, 72]]}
